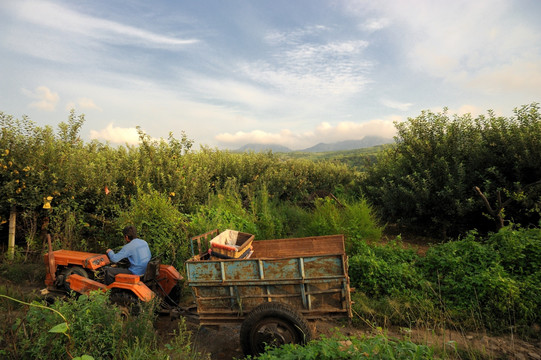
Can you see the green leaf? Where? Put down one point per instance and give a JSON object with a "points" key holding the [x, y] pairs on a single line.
{"points": [[60, 328]]}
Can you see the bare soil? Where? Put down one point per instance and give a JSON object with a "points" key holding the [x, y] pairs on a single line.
{"points": [[223, 343]]}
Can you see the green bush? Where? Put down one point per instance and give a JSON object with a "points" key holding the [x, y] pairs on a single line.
{"points": [[355, 220], [92, 326], [427, 179], [94, 329], [490, 277], [222, 211], [384, 270], [271, 222], [159, 223], [490, 283], [341, 347]]}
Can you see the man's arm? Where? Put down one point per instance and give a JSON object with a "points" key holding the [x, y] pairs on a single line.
{"points": [[122, 254]]}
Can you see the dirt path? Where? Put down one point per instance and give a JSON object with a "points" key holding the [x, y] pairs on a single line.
{"points": [[223, 343]]}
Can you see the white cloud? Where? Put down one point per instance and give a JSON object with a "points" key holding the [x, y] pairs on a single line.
{"points": [[518, 76], [375, 24], [330, 69], [83, 104], [116, 135], [395, 104], [45, 98], [324, 132], [294, 37], [481, 45]]}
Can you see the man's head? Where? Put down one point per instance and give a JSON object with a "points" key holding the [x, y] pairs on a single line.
{"points": [[129, 233]]}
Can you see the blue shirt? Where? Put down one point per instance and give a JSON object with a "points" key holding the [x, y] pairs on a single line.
{"points": [[137, 252]]}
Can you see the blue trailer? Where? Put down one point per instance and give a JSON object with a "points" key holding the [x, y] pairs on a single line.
{"points": [[273, 293]]}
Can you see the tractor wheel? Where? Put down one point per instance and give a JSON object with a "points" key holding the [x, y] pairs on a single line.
{"points": [[173, 298], [273, 324], [127, 302], [70, 271]]}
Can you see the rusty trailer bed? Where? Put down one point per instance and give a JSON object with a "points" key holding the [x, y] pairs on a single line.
{"points": [[308, 274]]}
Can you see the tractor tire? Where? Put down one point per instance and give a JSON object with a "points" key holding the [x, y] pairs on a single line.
{"points": [[70, 271], [173, 298], [127, 302], [273, 324]]}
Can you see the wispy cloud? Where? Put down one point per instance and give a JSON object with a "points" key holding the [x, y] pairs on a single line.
{"points": [[375, 24], [329, 69], [45, 98], [83, 104], [59, 17], [296, 36], [396, 105]]}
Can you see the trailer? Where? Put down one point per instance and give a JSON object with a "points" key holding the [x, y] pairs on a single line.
{"points": [[274, 292]]}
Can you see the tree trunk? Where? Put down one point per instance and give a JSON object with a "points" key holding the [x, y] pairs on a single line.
{"points": [[11, 238]]}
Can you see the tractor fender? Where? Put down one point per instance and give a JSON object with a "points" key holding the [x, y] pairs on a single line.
{"points": [[83, 285], [134, 284], [168, 277]]}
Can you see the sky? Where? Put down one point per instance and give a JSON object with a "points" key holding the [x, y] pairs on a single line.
{"points": [[288, 72]]}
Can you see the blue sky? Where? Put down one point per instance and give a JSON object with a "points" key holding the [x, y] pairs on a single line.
{"points": [[294, 73]]}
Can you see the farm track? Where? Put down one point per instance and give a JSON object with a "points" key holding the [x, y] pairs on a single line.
{"points": [[223, 343]]}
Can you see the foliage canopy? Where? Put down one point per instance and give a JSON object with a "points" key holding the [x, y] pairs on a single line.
{"points": [[427, 179]]}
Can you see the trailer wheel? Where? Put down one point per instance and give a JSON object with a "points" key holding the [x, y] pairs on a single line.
{"points": [[70, 271], [273, 324]]}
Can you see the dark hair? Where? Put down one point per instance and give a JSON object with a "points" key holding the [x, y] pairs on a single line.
{"points": [[130, 232]]}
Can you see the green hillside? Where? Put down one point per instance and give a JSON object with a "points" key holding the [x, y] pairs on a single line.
{"points": [[358, 158]]}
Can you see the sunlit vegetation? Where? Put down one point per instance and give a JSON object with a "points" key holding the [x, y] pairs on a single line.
{"points": [[472, 184]]}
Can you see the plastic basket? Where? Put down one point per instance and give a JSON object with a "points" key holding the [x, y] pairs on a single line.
{"points": [[231, 244]]}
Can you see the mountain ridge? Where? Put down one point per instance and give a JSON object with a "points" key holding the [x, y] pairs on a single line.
{"points": [[367, 141]]}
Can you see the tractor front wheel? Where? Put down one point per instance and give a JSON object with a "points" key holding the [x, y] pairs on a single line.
{"points": [[70, 271]]}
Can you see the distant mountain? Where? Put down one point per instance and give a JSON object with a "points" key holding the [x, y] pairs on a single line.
{"points": [[263, 147], [367, 141]]}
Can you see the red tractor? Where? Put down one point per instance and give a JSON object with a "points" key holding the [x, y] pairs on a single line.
{"points": [[83, 272]]}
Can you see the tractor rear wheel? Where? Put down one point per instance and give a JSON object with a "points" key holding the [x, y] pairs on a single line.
{"points": [[173, 298], [128, 303]]}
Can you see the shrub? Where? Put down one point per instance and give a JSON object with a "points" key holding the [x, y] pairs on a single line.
{"points": [[94, 329], [159, 223], [493, 277], [491, 283], [223, 211], [384, 270], [351, 348], [355, 220], [427, 179]]}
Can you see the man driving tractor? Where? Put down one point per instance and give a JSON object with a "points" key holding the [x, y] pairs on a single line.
{"points": [[137, 252]]}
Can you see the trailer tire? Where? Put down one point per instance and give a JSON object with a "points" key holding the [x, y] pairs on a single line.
{"points": [[273, 324], [70, 271]]}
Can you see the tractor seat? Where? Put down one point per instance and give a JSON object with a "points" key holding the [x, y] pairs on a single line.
{"points": [[152, 271]]}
